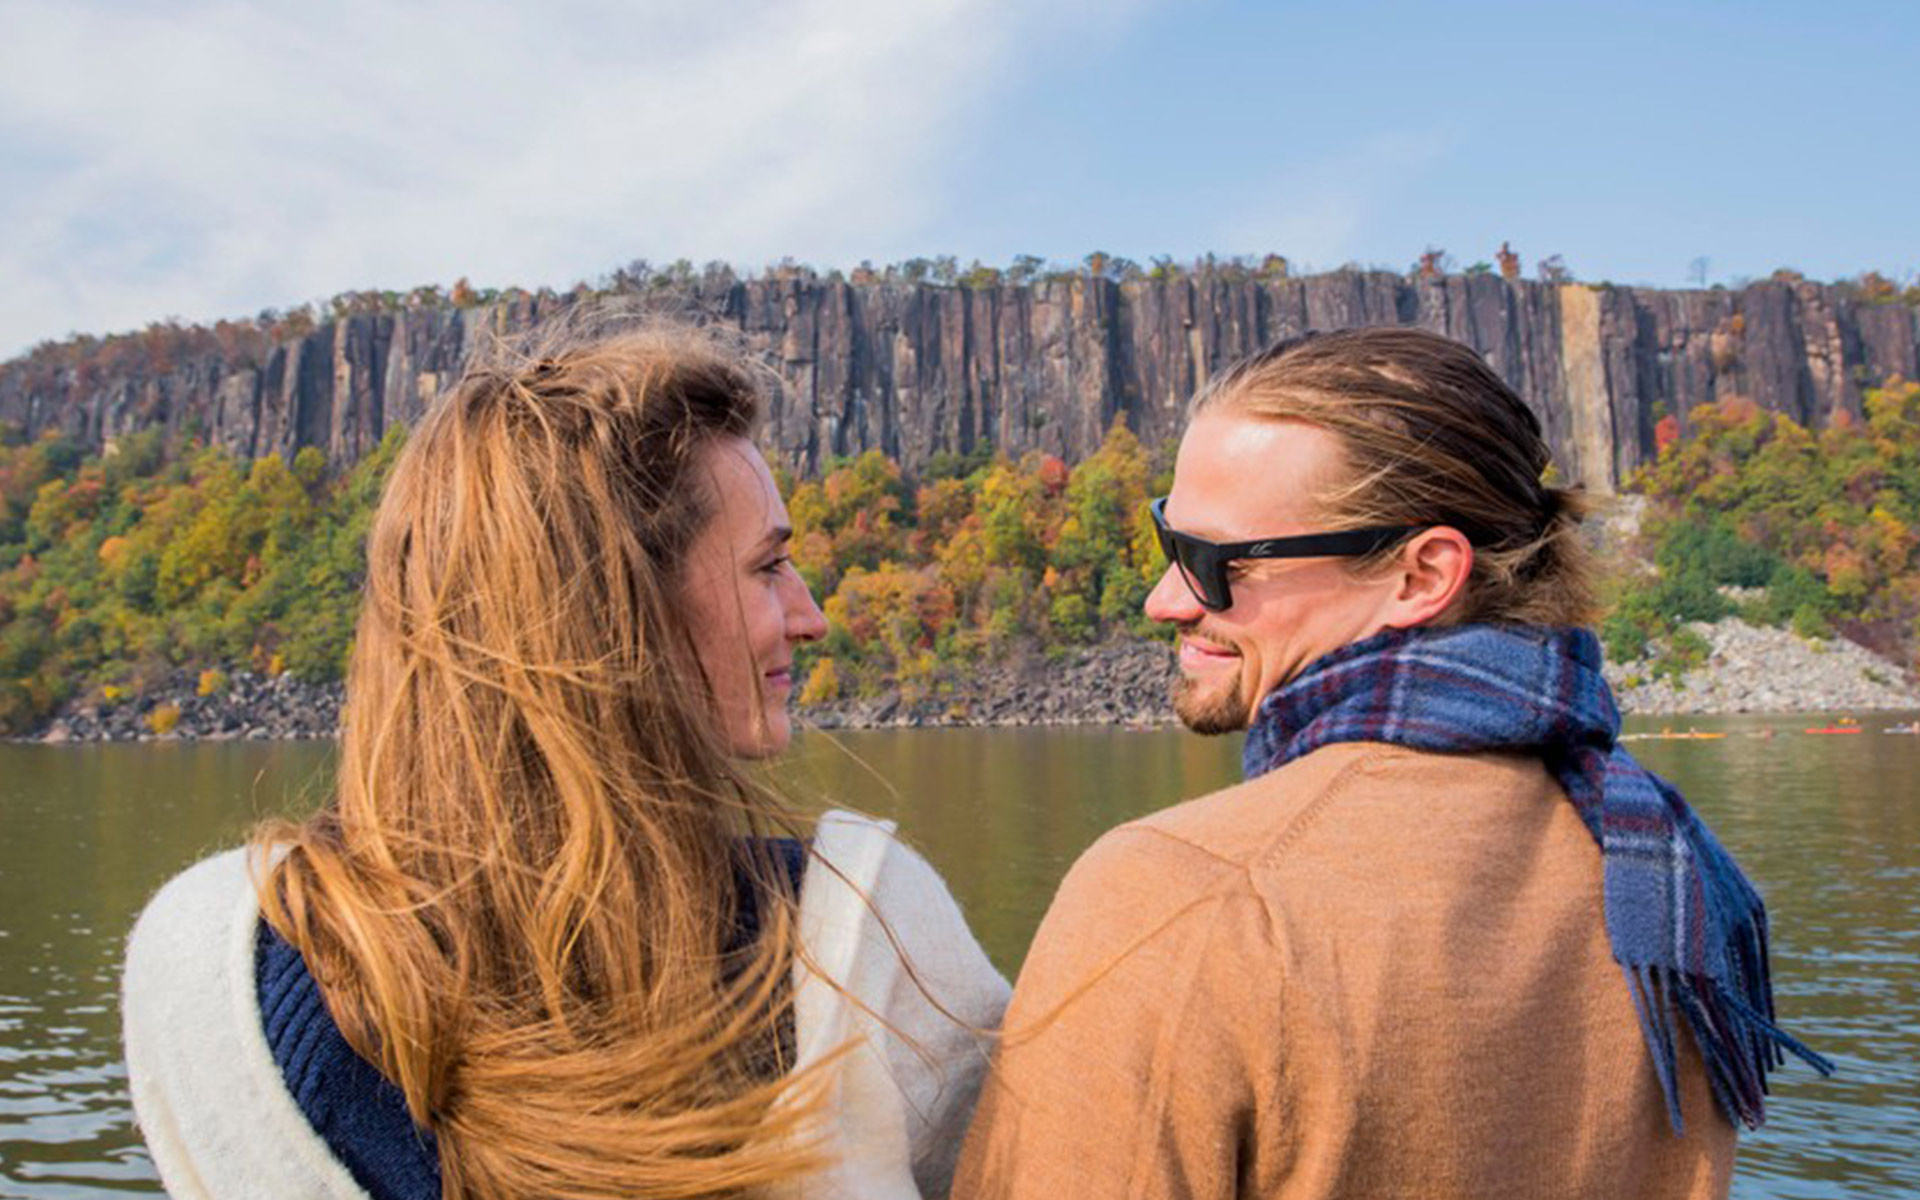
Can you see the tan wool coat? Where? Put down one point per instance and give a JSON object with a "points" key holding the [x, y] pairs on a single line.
{"points": [[1375, 972]]}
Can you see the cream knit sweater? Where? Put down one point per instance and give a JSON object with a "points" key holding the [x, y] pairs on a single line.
{"points": [[222, 1126]]}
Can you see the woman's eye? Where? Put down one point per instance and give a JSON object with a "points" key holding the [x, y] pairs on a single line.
{"points": [[772, 567]]}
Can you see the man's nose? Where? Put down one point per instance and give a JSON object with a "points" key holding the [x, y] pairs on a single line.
{"points": [[1172, 600]]}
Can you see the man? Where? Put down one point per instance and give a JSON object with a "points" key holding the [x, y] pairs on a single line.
{"points": [[1396, 961]]}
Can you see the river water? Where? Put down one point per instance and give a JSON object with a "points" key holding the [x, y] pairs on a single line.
{"points": [[1829, 825]]}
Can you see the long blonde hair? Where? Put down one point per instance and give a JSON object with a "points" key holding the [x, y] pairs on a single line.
{"points": [[521, 902]]}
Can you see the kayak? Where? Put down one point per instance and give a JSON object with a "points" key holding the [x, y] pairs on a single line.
{"points": [[1669, 735]]}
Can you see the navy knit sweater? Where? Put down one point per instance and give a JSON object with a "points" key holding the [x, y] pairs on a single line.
{"points": [[353, 1107], [358, 1112]]}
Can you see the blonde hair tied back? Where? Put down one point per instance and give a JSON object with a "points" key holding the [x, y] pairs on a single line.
{"points": [[1431, 436]]}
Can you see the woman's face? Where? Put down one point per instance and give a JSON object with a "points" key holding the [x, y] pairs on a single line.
{"points": [[747, 606]]}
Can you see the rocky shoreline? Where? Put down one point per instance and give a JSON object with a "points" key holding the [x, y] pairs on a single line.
{"points": [[243, 706], [1119, 682], [1748, 669], [1753, 669], [1122, 682]]}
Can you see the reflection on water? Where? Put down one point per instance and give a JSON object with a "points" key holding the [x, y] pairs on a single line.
{"points": [[1830, 826], [1004, 812]]}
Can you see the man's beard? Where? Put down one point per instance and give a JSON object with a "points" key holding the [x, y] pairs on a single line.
{"points": [[1215, 708]]}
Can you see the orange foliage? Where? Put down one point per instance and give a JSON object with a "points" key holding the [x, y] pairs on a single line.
{"points": [[1666, 432]]}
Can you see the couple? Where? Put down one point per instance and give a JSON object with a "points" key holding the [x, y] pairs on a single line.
{"points": [[554, 937]]}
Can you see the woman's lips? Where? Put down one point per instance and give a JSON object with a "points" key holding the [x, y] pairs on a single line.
{"points": [[782, 678]]}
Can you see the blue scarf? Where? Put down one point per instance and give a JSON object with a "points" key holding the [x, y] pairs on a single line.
{"points": [[1686, 927]]}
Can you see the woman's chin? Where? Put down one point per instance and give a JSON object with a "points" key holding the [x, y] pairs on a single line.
{"points": [[767, 738]]}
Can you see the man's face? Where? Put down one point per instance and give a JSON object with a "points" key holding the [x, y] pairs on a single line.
{"points": [[1242, 479]]}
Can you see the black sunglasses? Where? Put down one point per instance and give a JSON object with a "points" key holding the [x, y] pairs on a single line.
{"points": [[1203, 564]]}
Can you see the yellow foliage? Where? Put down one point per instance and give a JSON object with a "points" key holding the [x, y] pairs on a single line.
{"points": [[276, 665], [163, 718], [838, 609], [962, 559], [917, 673], [823, 684], [212, 680]]}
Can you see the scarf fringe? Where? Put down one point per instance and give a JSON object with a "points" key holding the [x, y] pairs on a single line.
{"points": [[1732, 1026]]}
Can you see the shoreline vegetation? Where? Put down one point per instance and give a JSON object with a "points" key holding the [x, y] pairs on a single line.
{"points": [[1120, 682], [162, 590]]}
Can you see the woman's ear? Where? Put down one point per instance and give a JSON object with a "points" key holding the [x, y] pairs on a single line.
{"points": [[1431, 573]]}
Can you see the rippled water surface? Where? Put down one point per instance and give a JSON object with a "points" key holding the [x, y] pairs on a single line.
{"points": [[1830, 826]]}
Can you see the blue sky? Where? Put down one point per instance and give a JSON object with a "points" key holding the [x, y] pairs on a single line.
{"points": [[206, 159]]}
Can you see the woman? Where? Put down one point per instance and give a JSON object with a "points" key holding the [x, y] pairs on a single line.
{"points": [[544, 942]]}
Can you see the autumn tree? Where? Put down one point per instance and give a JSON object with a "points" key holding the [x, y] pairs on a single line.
{"points": [[1827, 522], [1509, 263]]}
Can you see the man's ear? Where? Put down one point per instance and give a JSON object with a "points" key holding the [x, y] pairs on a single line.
{"points": [[1431, 574]]}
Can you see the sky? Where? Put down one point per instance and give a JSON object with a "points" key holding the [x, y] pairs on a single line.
{"points": [[196, 160]]}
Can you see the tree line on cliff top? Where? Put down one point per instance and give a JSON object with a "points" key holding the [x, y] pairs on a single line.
{"points": [[163, 344], [121, 571]]}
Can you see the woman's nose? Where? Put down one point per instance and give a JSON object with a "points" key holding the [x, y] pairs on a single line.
{"points": [[805, 621]]}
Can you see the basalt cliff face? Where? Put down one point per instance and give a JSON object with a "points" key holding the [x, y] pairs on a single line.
{"points": [[914, 370]]}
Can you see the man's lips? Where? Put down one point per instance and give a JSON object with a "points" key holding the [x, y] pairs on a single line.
{"points": [[1199, 654]]}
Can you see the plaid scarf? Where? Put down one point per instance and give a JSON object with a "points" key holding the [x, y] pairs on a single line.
{"points": [[1686, 927]]}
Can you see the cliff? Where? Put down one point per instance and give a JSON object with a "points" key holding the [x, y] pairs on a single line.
{"points": [[917, 369]]}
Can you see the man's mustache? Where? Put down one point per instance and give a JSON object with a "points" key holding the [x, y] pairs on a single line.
{"points": [[1191, 629]]}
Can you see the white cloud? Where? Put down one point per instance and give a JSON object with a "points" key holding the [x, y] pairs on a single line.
{"points": [[1321, 210], [212, 158]]}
